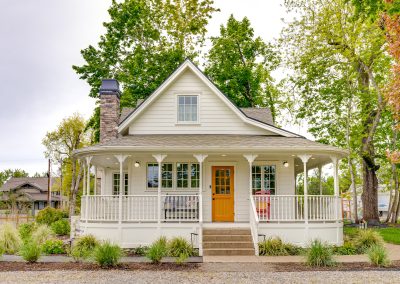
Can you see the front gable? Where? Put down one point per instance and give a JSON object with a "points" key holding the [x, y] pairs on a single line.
{"points": [[216, 113]]}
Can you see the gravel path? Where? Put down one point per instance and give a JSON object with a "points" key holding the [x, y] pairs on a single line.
{"points": [[198, 277]]}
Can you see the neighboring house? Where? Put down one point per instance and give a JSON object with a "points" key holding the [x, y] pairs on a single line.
{"points": [[190, 163], [29, 192]]}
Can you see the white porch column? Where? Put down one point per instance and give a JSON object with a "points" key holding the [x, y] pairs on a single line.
{"points": [[121, 159], [95, 181], [159, 158], [320, 179], [335, 162], [250, 158], [304, 159], [88, 160], [200, 158]]}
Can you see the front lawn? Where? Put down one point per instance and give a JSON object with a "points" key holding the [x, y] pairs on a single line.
{"points": [[389, 234]]}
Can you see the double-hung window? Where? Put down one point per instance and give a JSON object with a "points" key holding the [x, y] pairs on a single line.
{"points": [[188, 109], [174, 175], [167, 175], [264, 178], [182, 175], [152, 175], [116, 183]]}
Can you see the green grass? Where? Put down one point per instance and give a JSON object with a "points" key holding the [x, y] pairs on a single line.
{"points": [[389, 235]]}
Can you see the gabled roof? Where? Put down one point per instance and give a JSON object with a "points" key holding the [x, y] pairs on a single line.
{"points": [[13, 183], [188, 64]]}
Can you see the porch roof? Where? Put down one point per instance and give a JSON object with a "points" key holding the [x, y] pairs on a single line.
{"points": [[212, 143]]}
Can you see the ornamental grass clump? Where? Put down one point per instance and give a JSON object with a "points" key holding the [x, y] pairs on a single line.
{"points": [[157, 250], [31, 252], [180, 248], [378, 256], [273, 247], [365, 239], [42, 234], [25, 231], [319, 254], [107, 255], [10, 241], [83, 247]]}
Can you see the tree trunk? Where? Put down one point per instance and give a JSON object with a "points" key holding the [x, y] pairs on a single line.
{"points": [[370, 191], [76, 179]]}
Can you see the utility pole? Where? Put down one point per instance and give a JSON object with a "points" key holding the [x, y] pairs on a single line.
{"points": [[48, 186]]}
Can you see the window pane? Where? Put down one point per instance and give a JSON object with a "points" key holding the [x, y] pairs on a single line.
{"points": [[152, 175], [182, 175], [187, 108], [166, 173], [195, 175]]}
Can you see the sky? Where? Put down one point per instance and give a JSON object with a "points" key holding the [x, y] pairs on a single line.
{"points": [[42, 39]]}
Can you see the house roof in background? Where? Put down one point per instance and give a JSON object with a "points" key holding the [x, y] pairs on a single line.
{"points": [[37, 182]]}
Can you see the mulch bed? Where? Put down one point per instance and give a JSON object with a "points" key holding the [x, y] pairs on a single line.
{"points": [[272, 267]]}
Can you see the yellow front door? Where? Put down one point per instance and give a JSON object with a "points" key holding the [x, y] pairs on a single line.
{"points": [[222, 194]]}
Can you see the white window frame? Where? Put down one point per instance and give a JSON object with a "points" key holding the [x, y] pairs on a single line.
{"points": [[174, 187], [112, 182], [188, 94], [262, 165]]}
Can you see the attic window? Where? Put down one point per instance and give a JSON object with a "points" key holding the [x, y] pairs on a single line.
{"points": [[188, 109]]}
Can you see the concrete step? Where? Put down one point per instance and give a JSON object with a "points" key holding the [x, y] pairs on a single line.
{"points": [[228, 245], [227, 238], [227, 231], [225, 251]]}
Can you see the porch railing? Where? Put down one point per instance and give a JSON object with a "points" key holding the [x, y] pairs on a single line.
{"points": [[290, 208], [254, 220], [140, 208]]}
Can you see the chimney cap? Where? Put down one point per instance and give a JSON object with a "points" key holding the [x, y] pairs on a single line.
{"points": [[110, 86]]}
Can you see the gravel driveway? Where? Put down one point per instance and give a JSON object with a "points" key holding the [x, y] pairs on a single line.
{"points": [[115, 277]]}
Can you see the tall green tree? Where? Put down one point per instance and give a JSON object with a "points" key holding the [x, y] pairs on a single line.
{"points": [[241, 64], [60, 144], [340, 67], [144, 42]]}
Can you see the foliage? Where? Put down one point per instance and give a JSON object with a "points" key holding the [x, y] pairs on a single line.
{"points": [[365, 239], [140, 251], [378, 256], [10, 241], [157, 250], [180, 248], [53, 246], [42, 234], [107, 255], [144, 42], [31, 252], [8, 173], [241, 64], [83, 247], [60, 144], [25, 230], [339, 70], [61, 227], [275, 247], [348, 248], [319, 254], [50, 215]]}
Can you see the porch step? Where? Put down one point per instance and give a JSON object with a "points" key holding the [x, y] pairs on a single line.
{"points": [[227, 241], [220, 244]]}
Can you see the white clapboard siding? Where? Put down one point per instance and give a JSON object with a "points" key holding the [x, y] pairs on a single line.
{"points": [[215, 116]]}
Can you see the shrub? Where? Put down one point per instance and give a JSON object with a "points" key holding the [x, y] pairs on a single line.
{"points": [[272, 246], [366, 239], [157, 250], [319, 254], [53, 246], [107, 255], [10, 241], [50, 215], [179, 247], [83, 247], [348, 248], [61, 227], [31, 252], [25, 230], [378, 256], [42, 234], [275, 247]]}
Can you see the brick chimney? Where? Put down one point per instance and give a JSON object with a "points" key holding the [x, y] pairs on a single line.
{"points": [[109, 109]]}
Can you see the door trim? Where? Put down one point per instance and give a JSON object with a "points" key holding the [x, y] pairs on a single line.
{"points": [[222, 165]]}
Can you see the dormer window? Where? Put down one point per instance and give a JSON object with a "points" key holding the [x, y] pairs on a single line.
{"points": [[188, 111]]}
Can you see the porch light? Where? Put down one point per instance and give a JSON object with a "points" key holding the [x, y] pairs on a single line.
{"points": [[285, 164], [137, 164]]}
